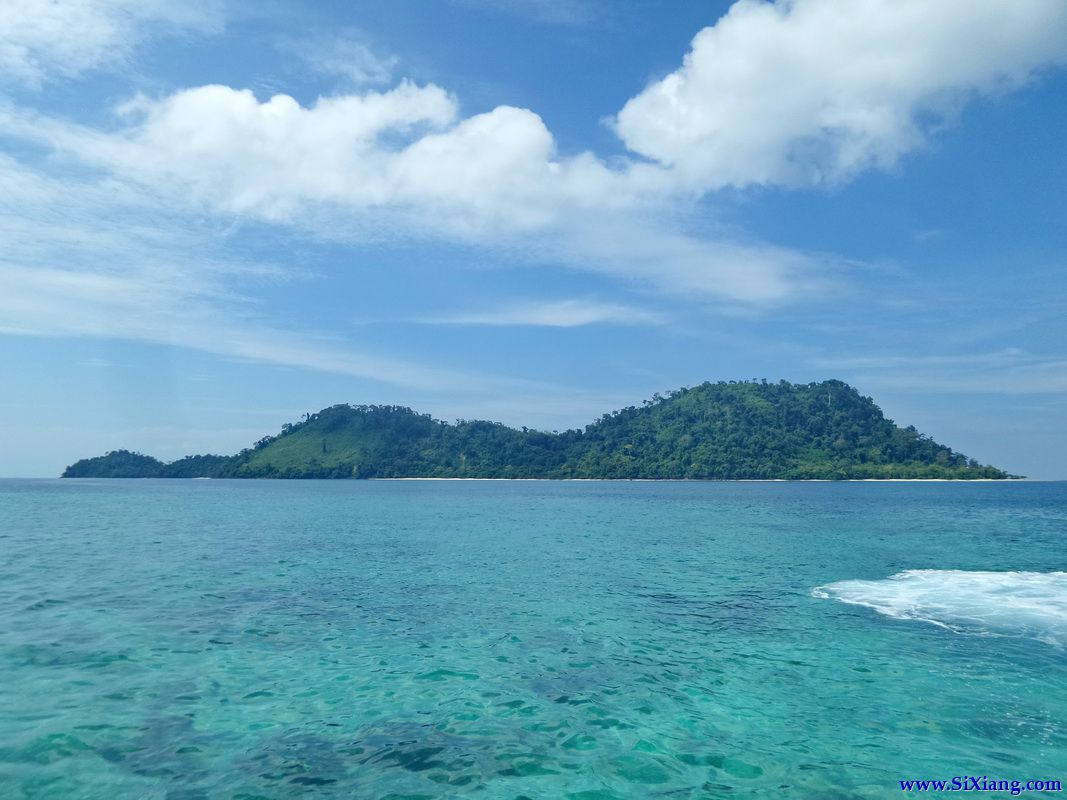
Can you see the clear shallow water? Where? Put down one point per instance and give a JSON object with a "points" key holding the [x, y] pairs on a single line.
{"points": [[258, 639]]}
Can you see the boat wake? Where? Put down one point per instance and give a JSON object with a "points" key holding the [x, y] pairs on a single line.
{"points": [[1017, 604]]}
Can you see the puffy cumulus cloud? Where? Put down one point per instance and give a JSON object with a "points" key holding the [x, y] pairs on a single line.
{"points": [[401, 158], [793, 93], [502, 156], [223, 125], [402, 163], [801, 92], [43, 39], [402, 152], [270, 158]]}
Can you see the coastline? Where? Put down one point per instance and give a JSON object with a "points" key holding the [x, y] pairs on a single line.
{"points": [[724, 480]]}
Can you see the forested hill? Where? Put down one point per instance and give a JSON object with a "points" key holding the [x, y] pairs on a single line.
{"points": [[713, 431]]}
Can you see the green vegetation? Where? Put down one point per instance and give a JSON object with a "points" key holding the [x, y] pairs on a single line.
{"points": [[715, 431], [116, 464], [124, 464]]}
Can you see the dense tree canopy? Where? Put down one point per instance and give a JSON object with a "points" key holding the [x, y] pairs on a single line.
{"points": [[715, 431], [124, 464]]}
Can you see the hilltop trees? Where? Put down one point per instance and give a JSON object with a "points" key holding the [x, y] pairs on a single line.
{"points": [[725, 430]]}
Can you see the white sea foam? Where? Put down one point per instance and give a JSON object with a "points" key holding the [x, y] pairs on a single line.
{"points": [[1019, 604]]}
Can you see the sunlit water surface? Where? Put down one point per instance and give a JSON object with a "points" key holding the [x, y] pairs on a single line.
{"points": [[261, 639]]}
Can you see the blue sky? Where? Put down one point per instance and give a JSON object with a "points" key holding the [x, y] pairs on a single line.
{"points": [[216, 218]]}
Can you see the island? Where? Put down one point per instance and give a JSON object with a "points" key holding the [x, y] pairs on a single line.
{"points": [[730, 430]]}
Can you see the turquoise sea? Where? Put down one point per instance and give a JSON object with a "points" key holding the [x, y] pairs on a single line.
{"points": [[204, 639]]}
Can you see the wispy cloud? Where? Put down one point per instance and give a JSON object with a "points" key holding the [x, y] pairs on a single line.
{"points": [[573, 13], [929, 234], [42, 40], [1009, 371], [100, 363], [553, 314], [348, 55], [68, 269], [154, 307]]}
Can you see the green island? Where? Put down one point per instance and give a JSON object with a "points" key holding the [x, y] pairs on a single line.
{"points": [[715, 431]]}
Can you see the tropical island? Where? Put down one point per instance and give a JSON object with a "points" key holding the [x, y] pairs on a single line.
{"points": [[715, 431]]}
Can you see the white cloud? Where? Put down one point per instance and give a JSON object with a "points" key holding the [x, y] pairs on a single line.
{"points": [[271, 158], [802, 92], [650, 252], [44, 39], [403, 150], [795, 92], [554, 314], [402, 163]]}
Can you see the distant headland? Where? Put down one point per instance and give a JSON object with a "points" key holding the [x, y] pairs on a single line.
{"points": [[715, 431]]}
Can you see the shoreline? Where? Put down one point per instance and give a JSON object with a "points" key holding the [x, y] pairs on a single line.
{"points": [[572, 480], [716, 480]]}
